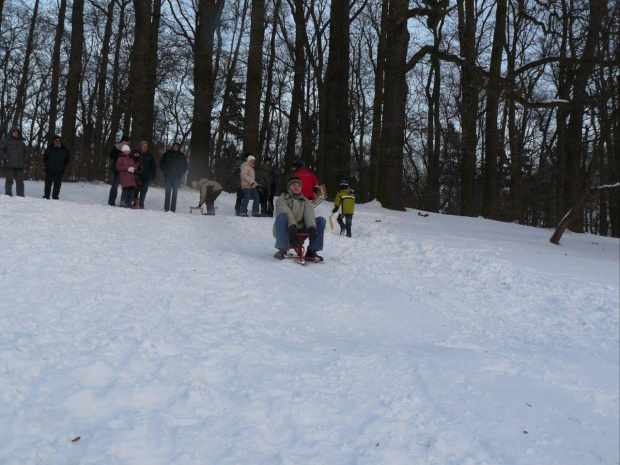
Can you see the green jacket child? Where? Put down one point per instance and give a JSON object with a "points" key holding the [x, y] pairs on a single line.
{"points": [[345, 199]]}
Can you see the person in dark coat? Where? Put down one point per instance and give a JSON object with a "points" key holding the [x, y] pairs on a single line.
{"points": [[15, 158], [263, 182], [55, 160], [126, 168], [174, 165], [148, 172], [273, 181], [116, 179], [234, 177]]}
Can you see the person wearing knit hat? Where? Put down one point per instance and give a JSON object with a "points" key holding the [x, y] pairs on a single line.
{"points": [[345, 199], [126, 168], [295, 214], [55, 160], [116, 180], [248, 184]]}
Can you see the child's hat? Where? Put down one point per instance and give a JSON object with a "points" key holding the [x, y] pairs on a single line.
{"points": [[344, 182]]}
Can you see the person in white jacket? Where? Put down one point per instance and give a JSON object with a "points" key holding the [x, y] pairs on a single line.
{"points": [[248, 184]]}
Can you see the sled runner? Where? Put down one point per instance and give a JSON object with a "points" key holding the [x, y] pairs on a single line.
{"points": [[191, 210]]}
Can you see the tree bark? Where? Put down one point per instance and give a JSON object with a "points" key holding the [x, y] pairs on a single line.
{"points": [[207, 20], [69, 119], [20, 98], [253, 88], [337, 120], [490, 193], [299, 70], [143, 72], [390, 192], [60, 30], [375, 142]]}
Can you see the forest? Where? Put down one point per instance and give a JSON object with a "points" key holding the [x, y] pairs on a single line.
{"points": [[505, 109]]}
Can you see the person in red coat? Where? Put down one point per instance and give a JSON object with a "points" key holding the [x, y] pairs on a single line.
{"points": [[308, 180], [126, 168]]}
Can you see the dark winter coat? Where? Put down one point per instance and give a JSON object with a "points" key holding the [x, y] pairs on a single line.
{"points": [[13, 151], [308, 181], [148, 168], [122, 164], [174, 164], [56, 159], [234, 175], [263, 176], [114, 154]]}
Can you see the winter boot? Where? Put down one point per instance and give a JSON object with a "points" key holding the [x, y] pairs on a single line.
{"points": [[280, 254], [312, 255]]}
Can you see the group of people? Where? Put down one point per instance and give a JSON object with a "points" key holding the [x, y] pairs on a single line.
{"points": [[135, 170], [15, 159]]}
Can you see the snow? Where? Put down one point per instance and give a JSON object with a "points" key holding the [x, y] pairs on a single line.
{"points": [[160, 338]]}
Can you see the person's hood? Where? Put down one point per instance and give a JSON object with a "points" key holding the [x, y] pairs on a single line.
{"points": [[15, 128]]}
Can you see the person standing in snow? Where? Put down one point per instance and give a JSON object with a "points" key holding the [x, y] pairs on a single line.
{"points": [[148, 172], [209, 192], [174, 165], [55, 160], [308, 179], [345, 198], [273, 181], [116, 152], [263, 182], [248, 184], [14, 156], [234, 177], [295, 214], [126, 168]]}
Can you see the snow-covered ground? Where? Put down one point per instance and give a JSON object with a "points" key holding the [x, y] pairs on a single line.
{"points": [[160, 338]]}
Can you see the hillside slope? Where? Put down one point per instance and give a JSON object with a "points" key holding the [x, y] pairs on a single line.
{"points": [[162, 338]]}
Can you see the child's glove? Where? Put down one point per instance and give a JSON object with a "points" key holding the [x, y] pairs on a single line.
{"points": [[335, 210], [131, 169]]}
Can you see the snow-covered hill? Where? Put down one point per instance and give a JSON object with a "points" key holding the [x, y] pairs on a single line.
{"points": [[160, 338]]}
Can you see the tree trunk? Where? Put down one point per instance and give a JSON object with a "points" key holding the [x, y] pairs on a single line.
{"points": [[60, 30], [375, 142], [253, 88], [207, 19], [297, 94], [263, 140], [390, 192], [469, 105], [20, 98], [69, 118], [143, 74], [574, 145], [337, 121], [102, 80], [490, 193]]}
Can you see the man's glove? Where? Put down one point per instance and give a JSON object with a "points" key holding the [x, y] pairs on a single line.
{"points": [[293, 237], [131, 169], [335, 210], [313, 232]]}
